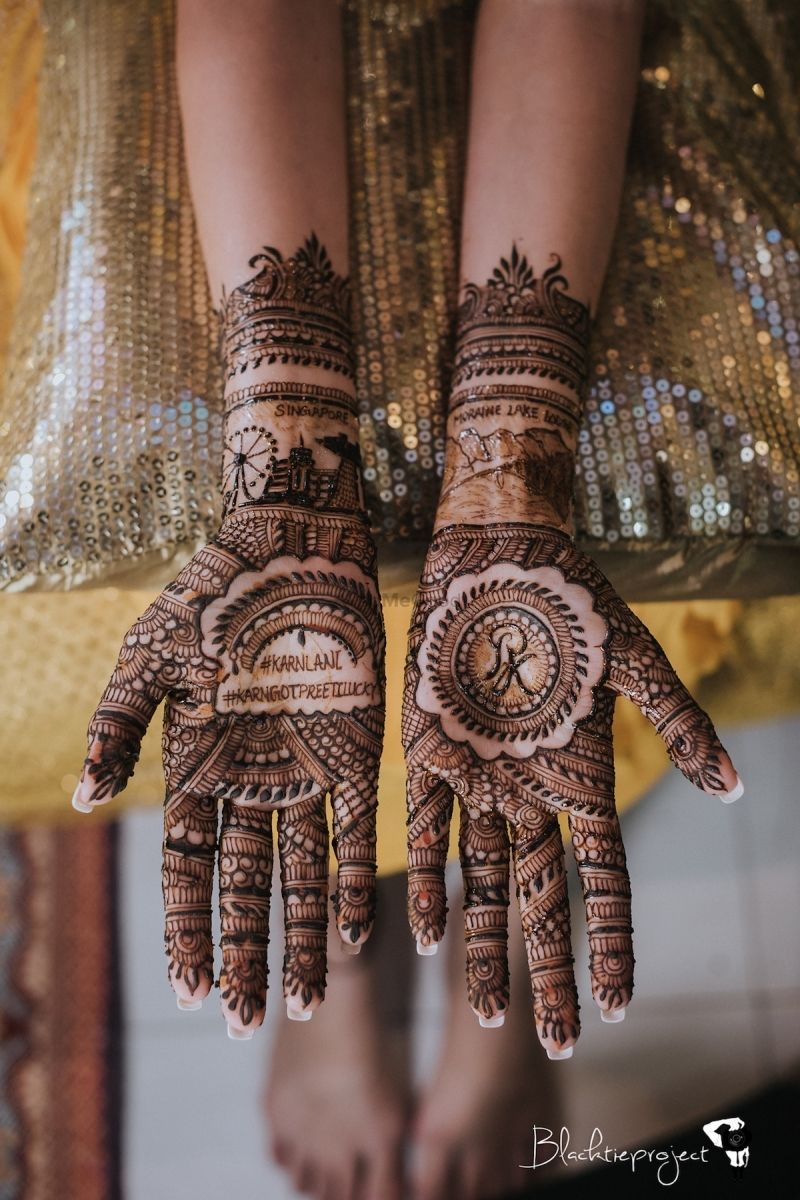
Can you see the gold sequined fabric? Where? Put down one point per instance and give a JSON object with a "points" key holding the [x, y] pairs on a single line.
{"points": [[687, 476]]}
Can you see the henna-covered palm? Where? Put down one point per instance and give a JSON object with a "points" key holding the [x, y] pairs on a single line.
{"points": [[268, 648], [519, 647]]}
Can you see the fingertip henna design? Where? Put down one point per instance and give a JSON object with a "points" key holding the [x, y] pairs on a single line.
{"points": [[303, 854], [190, 840], [245, 878], [484, 852]]}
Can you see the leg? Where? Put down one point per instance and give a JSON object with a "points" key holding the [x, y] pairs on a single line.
{"points": [[342, 1075], [474, 1121]]}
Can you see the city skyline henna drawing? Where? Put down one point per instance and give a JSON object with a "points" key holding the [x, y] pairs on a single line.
{"points": [[288, 444], [268, 650], [518, 649]]}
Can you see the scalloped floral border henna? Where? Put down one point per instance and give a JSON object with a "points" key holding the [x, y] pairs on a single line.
{"points": [[518, 322], [293, 310]]}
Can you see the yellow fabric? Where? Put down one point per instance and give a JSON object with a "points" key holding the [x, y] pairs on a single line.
{"points": [[58, 649], [20, 59]]}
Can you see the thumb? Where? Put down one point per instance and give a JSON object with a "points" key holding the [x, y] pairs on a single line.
{"points": [[639, 669], [121, 718]]}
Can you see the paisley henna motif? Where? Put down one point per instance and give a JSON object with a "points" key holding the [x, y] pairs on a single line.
{"points": [[267, 649]]}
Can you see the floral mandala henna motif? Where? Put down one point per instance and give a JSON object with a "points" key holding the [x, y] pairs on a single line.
{"points": [[510, 659]]}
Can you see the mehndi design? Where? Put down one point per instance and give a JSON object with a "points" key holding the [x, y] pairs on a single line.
{"points": [[519, 646], [268, 649], [293, 310]]}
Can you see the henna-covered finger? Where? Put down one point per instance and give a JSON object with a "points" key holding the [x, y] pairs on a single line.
{"points": [[430, 810], [190, 844], [303, 856], [484, 852], [600, 858], [245, 877], [639, 669], [541, 880], [120, 721], [354, 804]]}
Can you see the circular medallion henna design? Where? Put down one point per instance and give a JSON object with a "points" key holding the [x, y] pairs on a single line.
{"points": [[510, 660], [295, 637]]}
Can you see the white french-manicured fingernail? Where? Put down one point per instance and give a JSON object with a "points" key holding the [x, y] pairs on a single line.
{"points": [[240, 1035], [426, 951], [295, 1014], [557, 1055], [351, 948], [729, 797], [189, 1005], [80, 805], [491, 1022], [612, 1016]]}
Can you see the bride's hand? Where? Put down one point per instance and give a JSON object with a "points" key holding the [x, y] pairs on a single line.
{"points": [[519, 648], [270, 659]]}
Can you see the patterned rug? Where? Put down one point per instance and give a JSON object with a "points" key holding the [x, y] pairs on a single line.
{"points": [[60, 1014]]}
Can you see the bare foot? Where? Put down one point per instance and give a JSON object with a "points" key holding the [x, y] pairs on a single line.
{"points": [[335, 1098], [474, 1122]]}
